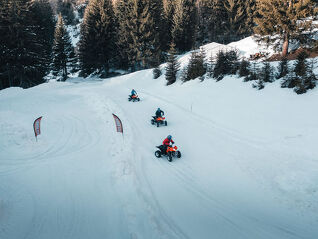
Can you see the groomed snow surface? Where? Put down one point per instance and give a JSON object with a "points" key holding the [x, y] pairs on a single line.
{"points": [[249, 166]]}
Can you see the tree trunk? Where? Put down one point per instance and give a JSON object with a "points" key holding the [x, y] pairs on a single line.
{"points": [[285, 46]]}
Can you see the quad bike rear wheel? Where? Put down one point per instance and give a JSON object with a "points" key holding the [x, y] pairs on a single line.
{"points": [[157, 124], [166, 123], [158, 153]]}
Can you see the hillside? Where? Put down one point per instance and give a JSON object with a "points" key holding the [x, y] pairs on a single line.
{"points": [[248, 168]]}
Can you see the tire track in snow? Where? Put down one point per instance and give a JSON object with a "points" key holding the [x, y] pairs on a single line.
{"points": [[128, 173]]}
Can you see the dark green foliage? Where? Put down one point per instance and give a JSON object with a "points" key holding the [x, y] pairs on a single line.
{"points": [[226, 64], [267, 73], [282, 68], [138, 33], [156, 72], [65, 7], [302, 77], [26, 30], [196, 67], [184, 24], [253, 72], [244, 68], [63, 51], [173, 66], [96, 45], [210, 67]]}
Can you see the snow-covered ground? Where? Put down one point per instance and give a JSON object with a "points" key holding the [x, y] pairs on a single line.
{"points": [[249, 166]]}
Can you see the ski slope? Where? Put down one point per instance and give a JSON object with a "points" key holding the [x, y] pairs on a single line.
{"points": [[249, 166]]}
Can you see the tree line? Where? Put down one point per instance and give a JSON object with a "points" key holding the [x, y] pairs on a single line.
{"points": [[133, 34]]}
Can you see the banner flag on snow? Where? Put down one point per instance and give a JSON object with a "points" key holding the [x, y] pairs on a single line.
{"points": [[119, 125], [37, 126]]}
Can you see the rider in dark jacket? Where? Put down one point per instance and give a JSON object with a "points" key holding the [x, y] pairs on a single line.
{"points": [[159, 113]]}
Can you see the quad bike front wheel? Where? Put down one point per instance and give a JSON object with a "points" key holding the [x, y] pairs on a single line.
{"points": [[169, 157], [152, 121], [166, 123], [158, 153], [178, 154]]}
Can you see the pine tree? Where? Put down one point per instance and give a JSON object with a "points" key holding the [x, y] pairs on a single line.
{"points": [[63, 50], [196, 66], [210, 66], [25, 42], [184, 25], [66, 8], [173, 65], [139, 33], [253, 72], [267, 73], [282, 68], [96, 45], [282, 18], [244, 68], [220, 68], [236, 17], [168, 13]]}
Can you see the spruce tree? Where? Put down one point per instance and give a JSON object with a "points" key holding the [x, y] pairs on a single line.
{"points": [[66, 8], [220, 68], [25, 43], [173, 65], [282, 68], [236, 17], [244, 68], [96, 45], [196, 66], [184, 25], [63, 51], [253, 72], [283, 19]]}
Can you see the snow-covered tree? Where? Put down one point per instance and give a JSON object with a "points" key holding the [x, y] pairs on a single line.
{"points": [[173, 65]]}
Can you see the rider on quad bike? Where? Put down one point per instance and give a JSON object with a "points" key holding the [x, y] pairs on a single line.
{"points": [[159, 113], [133, 96], [158, 119], [167, 141], [168, 150], [133, 92]]}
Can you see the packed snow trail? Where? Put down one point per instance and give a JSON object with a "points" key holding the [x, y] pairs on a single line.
{"points": [[84, 180]]}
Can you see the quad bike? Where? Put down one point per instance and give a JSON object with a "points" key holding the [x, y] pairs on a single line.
{"points": [[159, 121], [133, 98], [172, 151]]}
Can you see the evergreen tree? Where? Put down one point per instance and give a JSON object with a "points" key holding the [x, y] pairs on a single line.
{"points": [[253, 72], [184, 25], [210, 67], [156, 72], [65, 7], [282, 68], [96, 45], [139, 33], [63, 51], [226, 64], [267, 73], [168, 13], [173, 65], [302, 78], [196, 67], [244, 68], [25, 43], [236, 17], [282, 18]]}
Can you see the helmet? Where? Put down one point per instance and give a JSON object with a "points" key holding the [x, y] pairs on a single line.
{"points": [[158, 109], [169, 137]]}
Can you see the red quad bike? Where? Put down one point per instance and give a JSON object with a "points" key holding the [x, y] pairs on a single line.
{"points": [[133, 98], [159, 121], [172, 151]]}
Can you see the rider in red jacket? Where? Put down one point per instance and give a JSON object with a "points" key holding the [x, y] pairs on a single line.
{"points": [[166, 143]]}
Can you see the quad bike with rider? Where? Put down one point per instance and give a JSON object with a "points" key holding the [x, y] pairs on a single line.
{"points": [[133, 98], [159, 119], [167, 149]]}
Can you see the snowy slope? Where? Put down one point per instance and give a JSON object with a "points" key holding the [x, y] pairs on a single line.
{"points": [[249, 167]]}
